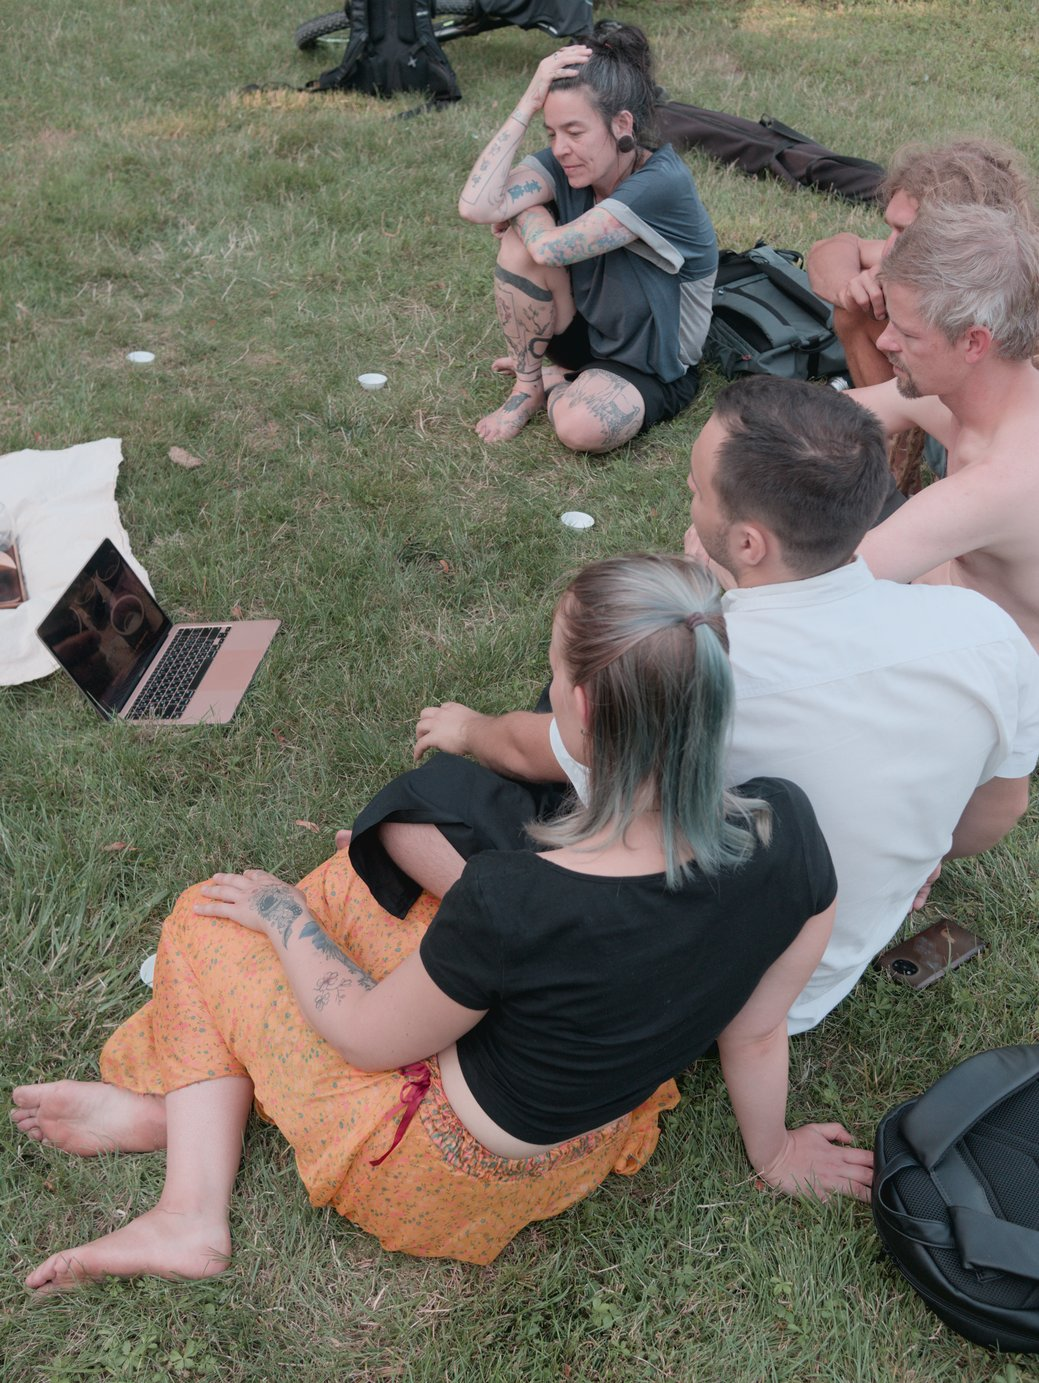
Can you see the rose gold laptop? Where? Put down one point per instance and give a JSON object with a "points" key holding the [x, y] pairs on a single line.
{"points": [[123, 652]]}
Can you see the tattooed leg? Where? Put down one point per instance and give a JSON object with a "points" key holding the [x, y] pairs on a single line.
{"points": [[598, 412], [533, 303], [89, 1117], [552, 376]]}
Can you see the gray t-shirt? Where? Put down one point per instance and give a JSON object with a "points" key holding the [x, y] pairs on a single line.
{"points": [[647, 304]]}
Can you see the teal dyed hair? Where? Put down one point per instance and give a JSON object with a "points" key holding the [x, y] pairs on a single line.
{"points": [[660, 696]]}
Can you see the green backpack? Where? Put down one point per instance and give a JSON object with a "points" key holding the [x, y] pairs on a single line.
{"points": [[767, 321]]}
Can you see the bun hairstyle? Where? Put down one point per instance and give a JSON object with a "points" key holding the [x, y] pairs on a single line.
{"points": [[645, 637], [618, 76]]}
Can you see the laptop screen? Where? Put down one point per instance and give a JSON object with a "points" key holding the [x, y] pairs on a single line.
{"points": [[105, 629]]}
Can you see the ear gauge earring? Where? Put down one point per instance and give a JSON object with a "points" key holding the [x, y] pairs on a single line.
{"points": [[625, 144]]}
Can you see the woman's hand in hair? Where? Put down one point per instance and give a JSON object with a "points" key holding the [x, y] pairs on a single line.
{"points": [[817, 1160], [565, 62]]}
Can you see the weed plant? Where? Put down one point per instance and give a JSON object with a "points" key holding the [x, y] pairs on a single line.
{"points": [[268, 248]]}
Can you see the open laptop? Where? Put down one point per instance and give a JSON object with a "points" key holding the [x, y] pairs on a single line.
{"points": [[121, 649]]}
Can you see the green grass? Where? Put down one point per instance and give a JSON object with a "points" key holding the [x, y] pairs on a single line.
{"points": [[268, 249]]}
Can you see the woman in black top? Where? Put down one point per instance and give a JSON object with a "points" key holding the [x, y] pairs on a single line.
{"points": [[560, 991]]}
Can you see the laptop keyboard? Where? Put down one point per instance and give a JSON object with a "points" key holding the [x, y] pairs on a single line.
{"points": [[177, 675]]}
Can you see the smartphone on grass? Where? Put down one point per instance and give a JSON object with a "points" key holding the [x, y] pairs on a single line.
{"points": [[930, 954]]}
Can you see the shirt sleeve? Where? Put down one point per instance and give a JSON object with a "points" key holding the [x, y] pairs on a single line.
{"points": [[820, 875], [1024, 712], [461, 949], [661, 206]]}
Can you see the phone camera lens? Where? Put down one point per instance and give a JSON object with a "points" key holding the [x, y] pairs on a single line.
{"points": [[904, 967]]}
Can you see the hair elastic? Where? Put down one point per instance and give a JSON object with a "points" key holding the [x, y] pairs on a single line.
{"points": [[692, 622]]}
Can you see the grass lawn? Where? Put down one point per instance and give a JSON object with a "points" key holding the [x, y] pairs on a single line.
{"points": [[268, 248]]}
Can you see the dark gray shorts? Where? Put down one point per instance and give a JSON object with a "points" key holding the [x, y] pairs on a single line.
{"points": [[662, 400]]}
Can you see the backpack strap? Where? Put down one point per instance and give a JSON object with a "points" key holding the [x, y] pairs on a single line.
{"points": [[954, 1104], [337, 77], [987, 1243], [792, 286]]}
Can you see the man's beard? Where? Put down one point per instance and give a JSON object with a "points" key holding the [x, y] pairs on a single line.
{"points": [[905, 384]]}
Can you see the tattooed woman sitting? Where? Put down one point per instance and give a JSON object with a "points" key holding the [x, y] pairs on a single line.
{"points": [[560, 991], [606, 258]]}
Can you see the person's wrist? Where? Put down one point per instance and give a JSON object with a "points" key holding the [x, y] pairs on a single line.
{"points": [[771, 1169]]}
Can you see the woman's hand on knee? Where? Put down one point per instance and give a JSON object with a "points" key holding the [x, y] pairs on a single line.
{"points": [[254, 899]]}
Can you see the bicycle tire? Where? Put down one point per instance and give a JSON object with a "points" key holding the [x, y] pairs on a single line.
{"points": [[311, 30]]}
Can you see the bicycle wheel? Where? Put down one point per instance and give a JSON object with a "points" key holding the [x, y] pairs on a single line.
{"points": [[309, 32]]}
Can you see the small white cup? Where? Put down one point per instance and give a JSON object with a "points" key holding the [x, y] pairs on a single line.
{"points": [[140, 357], [574, 518], [371, 381]]}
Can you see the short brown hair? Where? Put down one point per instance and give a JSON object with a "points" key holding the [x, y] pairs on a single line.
{"points": [[967, 171], [805, 460]]}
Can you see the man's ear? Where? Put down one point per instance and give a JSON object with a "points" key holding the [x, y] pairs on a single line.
{"points": [[977, 341], [751, 542]]}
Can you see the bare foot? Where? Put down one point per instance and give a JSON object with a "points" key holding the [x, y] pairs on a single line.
{"points": [[343, 839], [90, 1117], [551, 375], [160, 1243], [509, 420], [925, 891]]}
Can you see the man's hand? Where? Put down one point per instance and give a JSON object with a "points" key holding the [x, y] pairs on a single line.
{"points": [[864, 293], [816, 1161], [445, 727]]}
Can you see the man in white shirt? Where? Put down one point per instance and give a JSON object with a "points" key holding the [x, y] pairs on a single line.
{"points": [[909, 714]]}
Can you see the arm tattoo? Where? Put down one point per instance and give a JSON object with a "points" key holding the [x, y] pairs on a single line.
{"points": [[497, 159], [518, 190], [322, 942], [280, 908], [328, 987], [570, 247]]}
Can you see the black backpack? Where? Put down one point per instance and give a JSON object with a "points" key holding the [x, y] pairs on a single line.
{"points": [[767, 321], [392, 48], [768, 146], [956, 1196]]}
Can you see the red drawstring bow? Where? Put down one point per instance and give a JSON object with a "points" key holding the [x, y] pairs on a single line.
{"points": [[412, 1094]]}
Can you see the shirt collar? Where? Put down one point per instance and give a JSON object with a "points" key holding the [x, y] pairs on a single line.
{"points": [[811, 590]]}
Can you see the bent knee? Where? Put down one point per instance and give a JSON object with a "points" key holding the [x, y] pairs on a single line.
{"points": [[856, 325], [596, 420], [514, 255]]}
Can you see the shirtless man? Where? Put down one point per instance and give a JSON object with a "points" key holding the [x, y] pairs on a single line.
{"points": [[844, 268], [961, 287]]}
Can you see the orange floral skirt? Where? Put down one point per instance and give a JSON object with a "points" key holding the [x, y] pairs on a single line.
{"points": [[223, 1007]]}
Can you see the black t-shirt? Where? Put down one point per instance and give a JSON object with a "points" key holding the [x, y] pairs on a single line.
{"points": [[598, 989]]}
